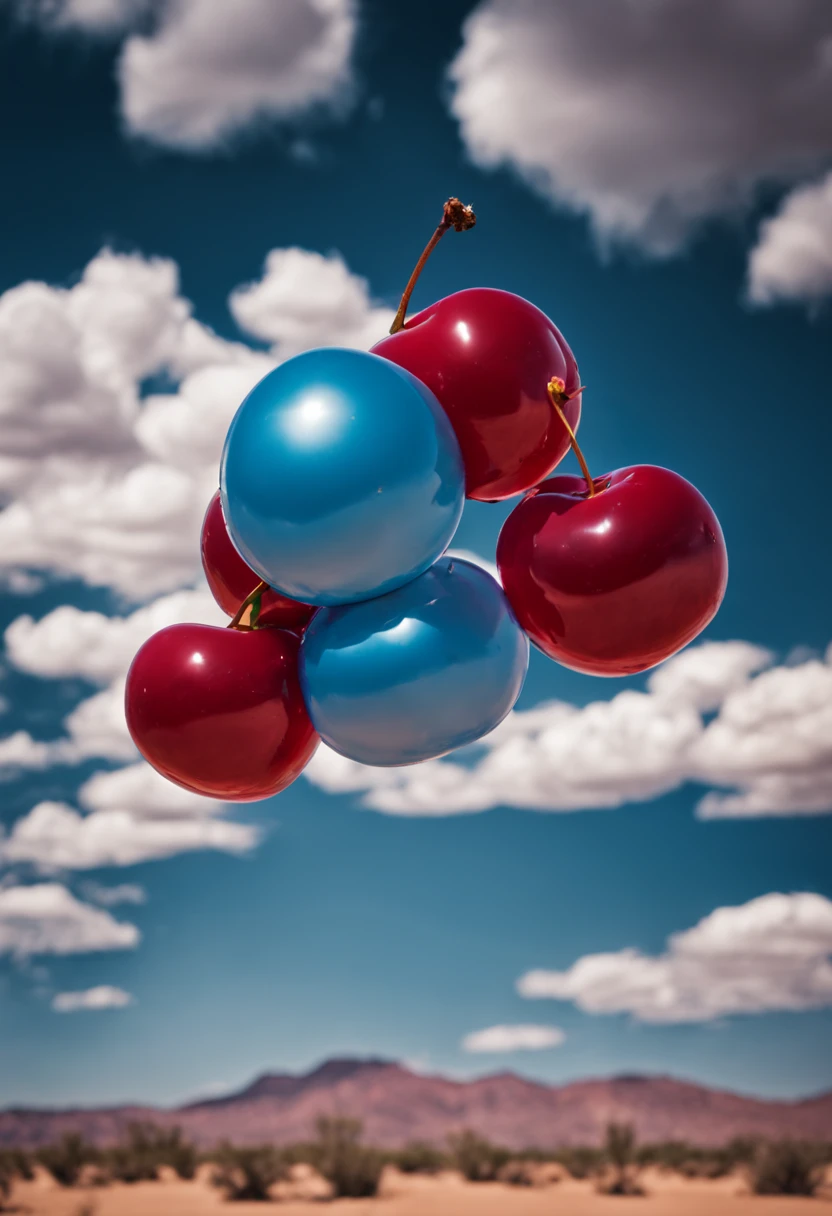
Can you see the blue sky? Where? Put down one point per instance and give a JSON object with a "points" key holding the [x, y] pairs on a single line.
{"points": [[400, 928]]}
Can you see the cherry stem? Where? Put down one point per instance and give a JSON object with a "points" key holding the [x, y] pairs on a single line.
{"points": [[559, 397], [248, 601], [454, 215]]}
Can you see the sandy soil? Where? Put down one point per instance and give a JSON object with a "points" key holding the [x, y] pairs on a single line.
{"points": [[447, 1195]]}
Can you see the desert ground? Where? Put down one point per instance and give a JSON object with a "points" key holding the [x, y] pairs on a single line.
{"points": [[401, 1195]]}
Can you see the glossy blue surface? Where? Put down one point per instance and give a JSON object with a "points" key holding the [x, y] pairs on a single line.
{"points": [[416, 673], [341, 478]]}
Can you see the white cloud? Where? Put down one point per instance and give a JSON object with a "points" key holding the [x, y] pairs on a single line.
{"points": [[650, 118], [773, 739], [53, 836], [305, 300], [210, 69], [770, 954], [201, 71], [102, 997], [85, 498], [792, 260], [20, 751], [99, 17], [95, 647], [47, 919], [140, 790], [96, 729], [133, 815], [769, 743], [111, 897], [513, 1038], [105, 486]]}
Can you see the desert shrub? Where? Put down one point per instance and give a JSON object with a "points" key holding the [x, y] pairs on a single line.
{"points": [[17, 1163], [689, 1160], [248, 1172], [419, 1157], [66, 1159], [580, 1161], [14, 1163], [477, 1159], [741, 1150], [134, 1159], [667, 1154], [147, 1147], [181, 1155], [352, 1169], [696, 1161], [620, 1158], [787, 1167]]}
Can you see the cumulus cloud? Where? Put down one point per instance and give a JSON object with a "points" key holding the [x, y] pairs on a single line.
{"points": [[649, 118], [792, 260], [768, 743], [770, 954], [209, 69], [130, 815], [193, 73], [102, 997], [46, 918], [20, 751], [99, 17], [306, 299], [54, 836], [513, 1038], [101, 483], [69, 642], [773, 739]]}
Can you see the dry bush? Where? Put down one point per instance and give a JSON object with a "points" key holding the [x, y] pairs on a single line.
{"points": [[621, 1174], [66, 1159], [419, 1157], [353, 1169], [787, 1167], [248, 1172], [476, 1158]]}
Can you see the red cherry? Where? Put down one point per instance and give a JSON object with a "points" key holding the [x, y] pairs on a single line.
{"points": [[220, 711], [231, 579], [488, 357], [615, 583]]}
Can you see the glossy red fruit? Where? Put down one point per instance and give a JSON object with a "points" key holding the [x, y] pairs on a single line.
{"points": [[615, 583], [231, 579], [220, 711], [488, 356]]}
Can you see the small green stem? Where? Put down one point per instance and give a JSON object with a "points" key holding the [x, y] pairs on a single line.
{"points": [[254, 600]]}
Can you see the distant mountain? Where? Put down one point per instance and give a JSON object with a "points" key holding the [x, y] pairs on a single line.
{"points": [[396, 1105]]}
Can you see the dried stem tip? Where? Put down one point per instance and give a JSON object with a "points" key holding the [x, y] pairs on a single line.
{"points": [[457, 216], [454, 215]]}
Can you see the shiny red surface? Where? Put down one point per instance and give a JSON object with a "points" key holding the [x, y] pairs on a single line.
{"points": [[613, 584], [220, 711], [488, 356], [231, 579]]}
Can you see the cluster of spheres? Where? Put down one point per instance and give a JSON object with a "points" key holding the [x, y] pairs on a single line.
{"points": [[342, 483]]}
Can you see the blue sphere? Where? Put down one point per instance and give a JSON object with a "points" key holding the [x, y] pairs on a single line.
{"points": [[341, 477], [415, 673]]}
